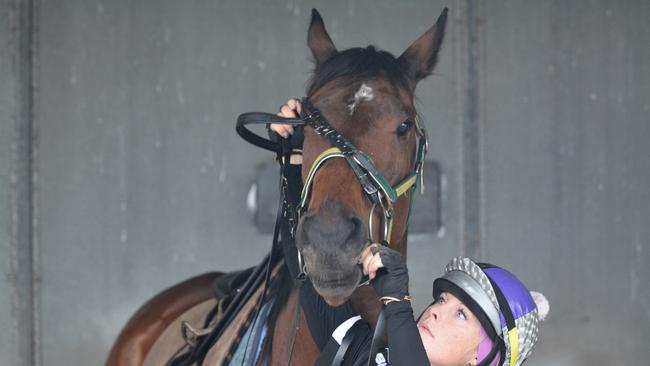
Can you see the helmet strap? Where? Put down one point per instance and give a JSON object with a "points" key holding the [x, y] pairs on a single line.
{"points": [[497, 346], [513, 332]]}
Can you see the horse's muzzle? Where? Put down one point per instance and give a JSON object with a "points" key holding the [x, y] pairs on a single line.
{"points": [[330, 239]]}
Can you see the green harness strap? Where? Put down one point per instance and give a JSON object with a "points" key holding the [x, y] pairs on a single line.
{"points": [[389, 192]]}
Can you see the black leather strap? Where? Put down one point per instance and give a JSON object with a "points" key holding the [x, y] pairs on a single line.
{"points": [[261, 276], [506, 311], [350, 335], [321, 126], [198, 353], [295, 325], [261, 118], [275, 247], [359, 164], [378, 340]]}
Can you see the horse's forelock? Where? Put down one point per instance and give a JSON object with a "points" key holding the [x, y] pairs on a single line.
{"points": [[356, 65]]}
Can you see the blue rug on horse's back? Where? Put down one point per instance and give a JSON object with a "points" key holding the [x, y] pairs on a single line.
{"points": [[248, 350]]}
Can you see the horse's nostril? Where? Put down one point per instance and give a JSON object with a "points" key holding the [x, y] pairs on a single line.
{"points": [[356, 232], [331, 228], [304, 227]]}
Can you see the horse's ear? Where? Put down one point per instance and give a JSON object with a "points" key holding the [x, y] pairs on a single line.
{"points": [[419, 59], [318, 40]]}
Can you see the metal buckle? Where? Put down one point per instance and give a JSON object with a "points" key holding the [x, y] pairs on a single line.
{"points": [[386, 216], [303, 267], [370, 228]]}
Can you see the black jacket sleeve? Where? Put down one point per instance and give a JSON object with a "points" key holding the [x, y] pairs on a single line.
{"points": [[404, 340], [404, 343]]}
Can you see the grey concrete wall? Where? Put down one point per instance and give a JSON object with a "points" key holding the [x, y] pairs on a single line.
{"points": [[537, 114], [566, 148]]}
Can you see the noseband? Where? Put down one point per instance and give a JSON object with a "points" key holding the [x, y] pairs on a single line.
{"points": [[375, 186]]}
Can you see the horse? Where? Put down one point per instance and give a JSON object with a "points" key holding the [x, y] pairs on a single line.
{"points": [[367, 97]]}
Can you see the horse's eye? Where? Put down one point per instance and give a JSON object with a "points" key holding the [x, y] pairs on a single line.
{"points": [[404, 127]]}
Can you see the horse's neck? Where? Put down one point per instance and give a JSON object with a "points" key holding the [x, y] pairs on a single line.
{"points": [[400, 245], [366, 303], [297, 345]]}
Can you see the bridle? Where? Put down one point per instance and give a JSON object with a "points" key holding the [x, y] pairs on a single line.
{"points": [[376, 187]]}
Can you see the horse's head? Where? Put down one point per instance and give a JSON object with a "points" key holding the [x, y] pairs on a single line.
{"points": [[367, 96]]}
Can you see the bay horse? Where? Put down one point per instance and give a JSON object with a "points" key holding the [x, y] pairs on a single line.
{"points": [[367, 95]]}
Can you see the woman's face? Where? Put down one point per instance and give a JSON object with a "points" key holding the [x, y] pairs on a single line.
{"points": [[450, 332]]}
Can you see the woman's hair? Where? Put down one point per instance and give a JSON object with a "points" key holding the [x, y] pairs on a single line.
{"points": [[484, 349]]}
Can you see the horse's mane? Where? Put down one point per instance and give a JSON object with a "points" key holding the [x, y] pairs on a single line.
{"points": [[358, 64]]}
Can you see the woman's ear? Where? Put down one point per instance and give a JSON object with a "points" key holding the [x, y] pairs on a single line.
{"points": [[474, 360]]}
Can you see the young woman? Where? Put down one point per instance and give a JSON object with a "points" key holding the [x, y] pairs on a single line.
{"points": [[481, 314]]}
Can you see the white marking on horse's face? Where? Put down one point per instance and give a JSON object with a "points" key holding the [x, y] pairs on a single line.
{"points": [[364, 94]]}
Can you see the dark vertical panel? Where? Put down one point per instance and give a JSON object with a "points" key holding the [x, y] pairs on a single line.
{"points": [[16, 235], [471, 142]]}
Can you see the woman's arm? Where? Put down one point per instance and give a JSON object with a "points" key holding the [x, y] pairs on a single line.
{"points": [[389, 275], [404, 340]]}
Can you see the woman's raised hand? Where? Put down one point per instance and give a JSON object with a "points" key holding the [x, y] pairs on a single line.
{"points": [[394, 282], [289, 110]]}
